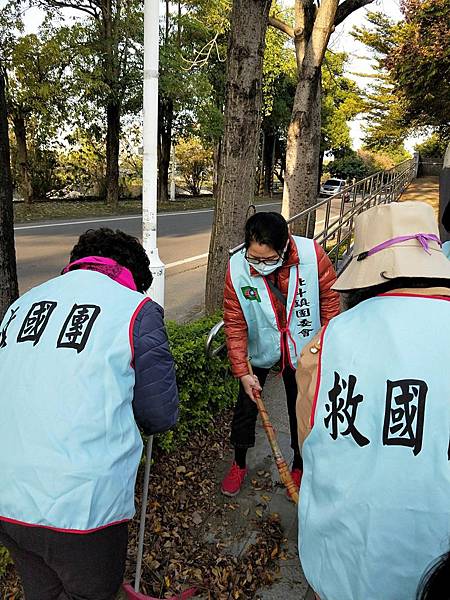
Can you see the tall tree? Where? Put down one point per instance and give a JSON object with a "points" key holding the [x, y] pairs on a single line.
{"points": [[342, 101], [314, 23], [8, 273], [191, 91], [419, 62], [38, 90], [386, 127], [116, 40], [237, 163]]}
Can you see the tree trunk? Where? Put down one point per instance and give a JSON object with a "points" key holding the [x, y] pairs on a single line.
{"points": [[238, 160], [9, 290], [216, 159], [302, 156], [260, 189], [112, 153], [313, 26], [269, 159], [165, 122], [20, 134], [321, 157]]}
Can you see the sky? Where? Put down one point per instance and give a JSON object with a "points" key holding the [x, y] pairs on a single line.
{"points": [[341, 40]]}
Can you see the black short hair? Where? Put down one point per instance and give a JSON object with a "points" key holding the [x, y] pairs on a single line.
{"points": [[121, 247], [354, 297], [434, 584], [268, 228]]}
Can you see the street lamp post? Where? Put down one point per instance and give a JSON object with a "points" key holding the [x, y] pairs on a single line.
{"points": [[149, 208], [150, 139]]}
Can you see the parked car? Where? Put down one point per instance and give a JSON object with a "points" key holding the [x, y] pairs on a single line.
{"points": [[332, 186]]}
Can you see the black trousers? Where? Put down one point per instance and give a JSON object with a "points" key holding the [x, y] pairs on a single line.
{"points": [[246, 411], [67, 566]]}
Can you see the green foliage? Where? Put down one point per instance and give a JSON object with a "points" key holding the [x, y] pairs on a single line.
{"points": [[419, 62], [348, 166], [5, 560], [434, 146], [385, 109], [381, 161], [82, 166], [205, 385], [279, 72], [194, 162], [192, 68], [341, 101]]}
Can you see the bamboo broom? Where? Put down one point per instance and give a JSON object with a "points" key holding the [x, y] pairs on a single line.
{"points": [[282, 467]]}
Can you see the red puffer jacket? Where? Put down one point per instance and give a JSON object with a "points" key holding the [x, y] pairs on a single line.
{"points": [[235, 324]]}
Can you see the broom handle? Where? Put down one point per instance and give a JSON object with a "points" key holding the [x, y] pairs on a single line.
{"points": [[140, 552], [282, 467]]}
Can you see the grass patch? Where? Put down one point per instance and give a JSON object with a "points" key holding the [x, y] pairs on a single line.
{"points": [[76, 209]]}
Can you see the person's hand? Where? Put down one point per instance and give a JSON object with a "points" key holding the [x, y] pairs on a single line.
{"points": [[250, 383]]}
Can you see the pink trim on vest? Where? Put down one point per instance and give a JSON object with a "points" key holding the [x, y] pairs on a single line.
{"points": [[411, 295], [319, 374], [77, 531], [284, 344], [131, 327]]}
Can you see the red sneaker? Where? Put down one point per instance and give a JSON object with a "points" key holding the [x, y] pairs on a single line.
{"points": [[296, 475], [231, 485]]}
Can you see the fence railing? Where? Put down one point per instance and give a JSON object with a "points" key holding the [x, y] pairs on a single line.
{"points": [[331, 221]]}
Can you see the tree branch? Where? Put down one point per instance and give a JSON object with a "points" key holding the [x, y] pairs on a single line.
{"points": [[282, 26], [88, 9], [347, 8]]}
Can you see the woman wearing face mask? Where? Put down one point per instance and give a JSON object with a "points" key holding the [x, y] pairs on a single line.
{"points": [[277, 296]]}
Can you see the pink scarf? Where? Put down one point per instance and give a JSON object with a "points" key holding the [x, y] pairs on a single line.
{"points": [[107, 266]]}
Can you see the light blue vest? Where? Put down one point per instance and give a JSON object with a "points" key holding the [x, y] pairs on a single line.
{"points": [[303, 306], [69, 445], [446, 249], [374, 509]]}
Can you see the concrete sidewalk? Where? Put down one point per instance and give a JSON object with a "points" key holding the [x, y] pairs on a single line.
{"points": [[424, 189], [263, 494]]}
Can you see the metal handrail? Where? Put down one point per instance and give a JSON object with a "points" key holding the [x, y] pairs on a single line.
{"points": [[382, 187]]}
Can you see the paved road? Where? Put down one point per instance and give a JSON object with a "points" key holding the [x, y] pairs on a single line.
{"points": [[43, 249]]}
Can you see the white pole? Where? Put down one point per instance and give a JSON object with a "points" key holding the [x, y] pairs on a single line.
{"points": [[149, 209], [150, 135], [172, 175]]}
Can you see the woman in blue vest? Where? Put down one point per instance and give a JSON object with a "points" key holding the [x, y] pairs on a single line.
{"points": [[84, 361], [374, 415], [277, 295]]}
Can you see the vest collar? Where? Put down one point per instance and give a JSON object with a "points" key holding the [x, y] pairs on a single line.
{"points": [[106, 266]]}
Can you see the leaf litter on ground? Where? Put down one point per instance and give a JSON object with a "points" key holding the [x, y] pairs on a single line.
{"points": [[182, 547]]}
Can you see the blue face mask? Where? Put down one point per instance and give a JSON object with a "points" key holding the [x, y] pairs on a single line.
{"points": [[265, 270]]}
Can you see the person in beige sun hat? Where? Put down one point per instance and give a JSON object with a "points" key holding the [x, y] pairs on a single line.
{"points": [[391, 241], [373, 414]]}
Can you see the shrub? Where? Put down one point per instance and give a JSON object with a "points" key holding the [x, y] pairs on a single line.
{"points": [[194, 162], [205, 385], [5, 560]]}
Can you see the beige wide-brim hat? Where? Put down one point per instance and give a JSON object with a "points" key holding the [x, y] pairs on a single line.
{"points": [[409, 258]]}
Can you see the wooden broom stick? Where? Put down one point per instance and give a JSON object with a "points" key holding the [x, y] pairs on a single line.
{"points": [[282, 467]]}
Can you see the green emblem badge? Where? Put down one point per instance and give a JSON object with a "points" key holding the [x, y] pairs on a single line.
{"points": [[250, 293]]}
